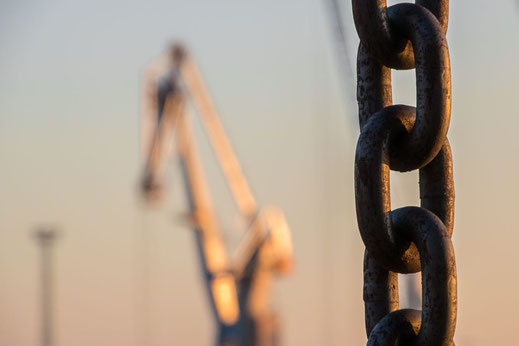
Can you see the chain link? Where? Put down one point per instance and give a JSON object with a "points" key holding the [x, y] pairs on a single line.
{"points": [[405, 138], [375, 24]]}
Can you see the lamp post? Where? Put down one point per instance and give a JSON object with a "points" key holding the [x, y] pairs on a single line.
{"points": [[46, 238]]}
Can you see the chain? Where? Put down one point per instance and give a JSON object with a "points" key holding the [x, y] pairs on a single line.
{"points": [[405, 138]]}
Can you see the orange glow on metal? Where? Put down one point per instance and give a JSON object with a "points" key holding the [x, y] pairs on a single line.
{"points": [[224, 295]]}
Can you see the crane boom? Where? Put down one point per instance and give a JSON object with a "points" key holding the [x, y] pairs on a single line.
{"points": [[221, 144], [214, 258]]}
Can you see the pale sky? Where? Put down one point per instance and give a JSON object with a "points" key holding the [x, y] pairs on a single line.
{"points": [[126, 275]]}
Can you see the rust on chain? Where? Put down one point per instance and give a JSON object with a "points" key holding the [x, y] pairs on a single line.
{"points": [[400, 327], [373, 20], [439, 279], [380, 292], [437, 187], [403, 138], [433, 90], [385, 324], [372, 189], [374, 90]]}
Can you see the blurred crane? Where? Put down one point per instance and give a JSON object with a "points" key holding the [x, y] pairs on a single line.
{"points": [[238, 287]]}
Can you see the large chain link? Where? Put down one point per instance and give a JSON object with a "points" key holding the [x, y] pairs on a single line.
{"points": [[404, 138]]}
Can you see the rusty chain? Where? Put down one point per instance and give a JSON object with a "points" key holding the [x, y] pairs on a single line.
{"points": [[405, 138]]}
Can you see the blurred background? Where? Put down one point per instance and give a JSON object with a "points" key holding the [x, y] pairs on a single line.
{"points": [[127, 274]]}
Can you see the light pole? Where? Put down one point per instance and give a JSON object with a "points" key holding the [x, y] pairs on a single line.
{"points": [[45, 238]]}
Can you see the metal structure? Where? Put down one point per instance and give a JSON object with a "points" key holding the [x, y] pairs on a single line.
{"points": [[405, 138], [46, 239], [238, 287], [334, 8]]}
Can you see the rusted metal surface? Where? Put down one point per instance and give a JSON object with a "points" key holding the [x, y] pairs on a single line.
{"points": [[372, 195], [380, 292], [433, 88], [397, 328], [375, 24], [404, 138], [439, 282]]}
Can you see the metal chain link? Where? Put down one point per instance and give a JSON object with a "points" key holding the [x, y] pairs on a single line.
{"points": [[405, 138]]}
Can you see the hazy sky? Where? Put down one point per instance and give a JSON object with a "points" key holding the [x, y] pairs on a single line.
{"points": [[126, 275]]}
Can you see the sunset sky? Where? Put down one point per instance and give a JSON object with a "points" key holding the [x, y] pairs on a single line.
{"points": [[127, 274]]}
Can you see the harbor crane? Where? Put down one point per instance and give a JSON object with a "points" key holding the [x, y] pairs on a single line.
{"points": [[238, 286]]}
